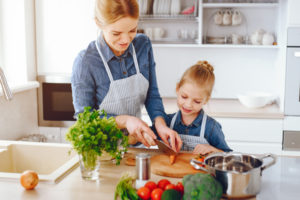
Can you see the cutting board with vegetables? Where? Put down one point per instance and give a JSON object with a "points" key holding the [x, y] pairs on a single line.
{"points": [[160, 165]]}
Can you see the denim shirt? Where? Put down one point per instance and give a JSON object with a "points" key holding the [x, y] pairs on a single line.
{"points": [[213, 130], [90, 81]]}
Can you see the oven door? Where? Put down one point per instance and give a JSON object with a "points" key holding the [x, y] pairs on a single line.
{"points": [[55, 102]]}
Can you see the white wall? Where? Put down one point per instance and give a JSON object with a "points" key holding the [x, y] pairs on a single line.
{"points": [[63, 28], [18, 117], [237, 69]]}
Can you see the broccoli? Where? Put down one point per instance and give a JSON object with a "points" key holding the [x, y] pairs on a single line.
{"points": [[201, 187]]}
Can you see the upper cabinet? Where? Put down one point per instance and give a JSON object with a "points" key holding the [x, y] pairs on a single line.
{"points": [[205, 23]]}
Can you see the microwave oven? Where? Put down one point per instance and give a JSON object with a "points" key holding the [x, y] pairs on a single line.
{"points": [[55, 105]]}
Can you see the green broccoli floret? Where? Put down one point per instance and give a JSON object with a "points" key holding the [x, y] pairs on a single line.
{"points": [[201, 187]]}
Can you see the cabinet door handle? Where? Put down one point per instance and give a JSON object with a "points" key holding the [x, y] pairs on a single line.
{"points": [[297, 54]]}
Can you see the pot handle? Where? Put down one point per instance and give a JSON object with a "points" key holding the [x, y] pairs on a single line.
{"points": [[195, 164], [270, 163]]}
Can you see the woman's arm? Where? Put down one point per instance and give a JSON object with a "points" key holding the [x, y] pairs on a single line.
{"points": [[83, 86]]}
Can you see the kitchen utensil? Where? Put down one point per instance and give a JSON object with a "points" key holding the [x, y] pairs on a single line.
{"points": [[158, 33], [268, 39], [239, 174], [142, 169], [236, 18], [227, 17], [256, 37], [164, 148], [255, 99], [175, 7], [218, 17], [160, 165]]}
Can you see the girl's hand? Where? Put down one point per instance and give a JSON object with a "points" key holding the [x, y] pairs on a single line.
{"points": [[140, 130], [167, 134], [205, 149]]}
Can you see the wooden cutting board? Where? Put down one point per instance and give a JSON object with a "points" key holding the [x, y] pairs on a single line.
{"points": [[160, 165]]}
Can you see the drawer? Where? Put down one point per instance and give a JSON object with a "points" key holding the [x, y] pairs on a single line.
{"points": [[252, 130], [291, 140]]}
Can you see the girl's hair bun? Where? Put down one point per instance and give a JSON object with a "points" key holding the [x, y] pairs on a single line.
{"points": [[206, 65]]}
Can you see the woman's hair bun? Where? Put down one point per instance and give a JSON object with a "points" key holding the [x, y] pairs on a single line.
{"points": [[206, 65]]}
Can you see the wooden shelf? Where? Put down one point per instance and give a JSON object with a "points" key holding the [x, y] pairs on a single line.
{"points": [[239, 5], [229, 46]]}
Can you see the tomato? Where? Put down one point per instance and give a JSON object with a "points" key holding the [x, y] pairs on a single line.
{"points": [[151, 185], [163, 183], [170, 186], [180, 188], [144, 193], [156, 194]]}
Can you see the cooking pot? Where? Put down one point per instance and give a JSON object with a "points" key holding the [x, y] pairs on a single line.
{"points": [[240, 174]]}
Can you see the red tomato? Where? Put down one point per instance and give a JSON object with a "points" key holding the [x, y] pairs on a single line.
{"points": [[180, 188], [156, 194], [170, 186], [144, 193], [163, 183], [151, 185]]}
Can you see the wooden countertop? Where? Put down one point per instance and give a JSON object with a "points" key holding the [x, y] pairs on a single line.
{"points": [[280, 181], [230, 108]]}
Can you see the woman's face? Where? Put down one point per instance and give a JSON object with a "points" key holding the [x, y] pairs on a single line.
{"points": [[120, 34], [190, 99]]}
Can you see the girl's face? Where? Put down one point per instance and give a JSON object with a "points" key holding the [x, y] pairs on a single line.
{"points": [[120, 34], [190, 99]]}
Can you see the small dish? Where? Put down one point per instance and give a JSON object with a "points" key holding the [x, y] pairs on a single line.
{"points": [[256, 99]]}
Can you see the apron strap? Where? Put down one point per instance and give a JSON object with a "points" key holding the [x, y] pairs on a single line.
{"points": [[136, 64], [173, 120], [203, 124], [104, 62]]}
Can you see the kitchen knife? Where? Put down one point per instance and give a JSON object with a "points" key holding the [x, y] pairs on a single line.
{"points": [[164, 148]]}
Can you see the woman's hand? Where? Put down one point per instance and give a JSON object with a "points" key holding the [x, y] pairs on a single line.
{"points": [[205, 149], [167, 134], [137, 128]]}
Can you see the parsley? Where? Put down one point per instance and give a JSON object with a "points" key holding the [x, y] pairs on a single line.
{"points": [[91, 135]]}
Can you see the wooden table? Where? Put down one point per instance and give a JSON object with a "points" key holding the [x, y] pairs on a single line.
{"points": [[280, 181]]}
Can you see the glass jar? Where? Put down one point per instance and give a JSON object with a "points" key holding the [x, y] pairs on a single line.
{"points": [[89, 166]]}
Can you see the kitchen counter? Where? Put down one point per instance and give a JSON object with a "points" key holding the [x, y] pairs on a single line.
{"points": [[230, 108], [281, 181]]}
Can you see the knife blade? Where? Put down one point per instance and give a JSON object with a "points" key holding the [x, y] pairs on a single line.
{"points": [[164, 147]]}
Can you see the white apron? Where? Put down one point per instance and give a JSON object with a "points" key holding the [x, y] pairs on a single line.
{"points": [[125, 96], [189, 142]]}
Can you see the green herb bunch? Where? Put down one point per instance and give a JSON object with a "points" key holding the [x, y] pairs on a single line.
{"points": [[125, 189], [91, 135]]}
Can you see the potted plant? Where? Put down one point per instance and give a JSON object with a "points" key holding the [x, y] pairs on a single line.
{"points": [[93, 135]]}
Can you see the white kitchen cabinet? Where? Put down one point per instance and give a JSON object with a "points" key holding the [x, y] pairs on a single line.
{"points": [[293, 12], [253, 135]]}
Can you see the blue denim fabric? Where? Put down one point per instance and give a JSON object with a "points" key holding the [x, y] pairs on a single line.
{"points": [[90, 82], [213, 130]]}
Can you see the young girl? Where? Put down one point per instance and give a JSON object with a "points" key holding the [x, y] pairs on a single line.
{"points": [[199, 132]]}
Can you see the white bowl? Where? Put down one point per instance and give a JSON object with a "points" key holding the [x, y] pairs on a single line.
{"points": [[255, 99]]}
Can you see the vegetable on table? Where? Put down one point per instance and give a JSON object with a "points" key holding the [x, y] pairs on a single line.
{"points": [[171, 194], [125, 189], [93, 133], [144, 193], [201, 186], [156, 194], [29, 179], [172, 159]]}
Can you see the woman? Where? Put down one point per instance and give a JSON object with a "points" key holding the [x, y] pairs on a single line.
{"points": [[117, 73]]}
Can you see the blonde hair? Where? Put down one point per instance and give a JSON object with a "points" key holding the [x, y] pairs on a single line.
{"points": [[110, 11], [202, 74]]}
